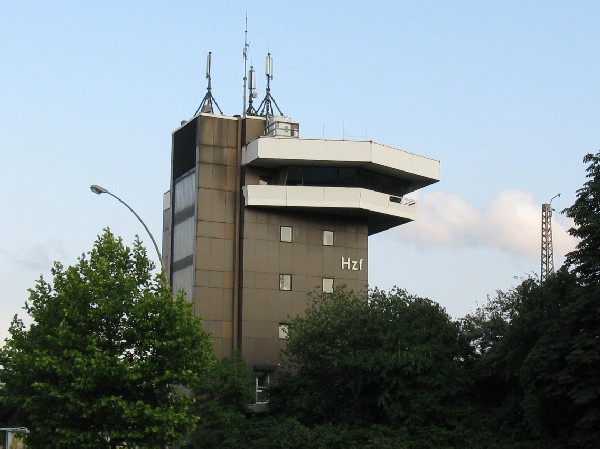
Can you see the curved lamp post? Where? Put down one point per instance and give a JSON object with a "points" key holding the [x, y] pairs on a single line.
{"points": [[99, 190]]}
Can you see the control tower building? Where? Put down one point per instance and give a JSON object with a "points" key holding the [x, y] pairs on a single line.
{"points": [[257, 217]]}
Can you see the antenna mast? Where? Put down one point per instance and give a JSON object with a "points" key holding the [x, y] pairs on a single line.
{"points": [[547, 266], [245, 53], [207, 102], [266, 108]]}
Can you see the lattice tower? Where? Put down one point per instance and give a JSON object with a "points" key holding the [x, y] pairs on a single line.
{"points": [[547, 250]]}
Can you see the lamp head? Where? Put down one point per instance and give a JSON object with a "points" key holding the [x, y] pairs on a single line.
{"points": [[97, 189]]}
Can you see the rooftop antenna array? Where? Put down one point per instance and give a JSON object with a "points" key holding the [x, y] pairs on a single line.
{"points": [[207, 103], [266, 106], [547, 267]]}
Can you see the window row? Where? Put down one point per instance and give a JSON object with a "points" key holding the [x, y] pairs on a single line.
{"points": [[336, 177], [286, 234], [343, 177], [285, 283]]}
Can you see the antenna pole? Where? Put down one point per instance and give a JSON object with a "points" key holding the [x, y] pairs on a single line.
{"points": [[265, 107], [245, 52], [208, 100]]}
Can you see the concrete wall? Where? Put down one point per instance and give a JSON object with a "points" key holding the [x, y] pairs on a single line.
{"points": [[264, 306], [238, 252], [217, 165]]}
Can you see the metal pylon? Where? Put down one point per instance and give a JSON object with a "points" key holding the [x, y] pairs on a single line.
{"points": [[547, 251]]}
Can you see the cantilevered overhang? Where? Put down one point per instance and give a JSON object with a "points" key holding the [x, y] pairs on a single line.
{"points": [[382, 211], [274, 152]]}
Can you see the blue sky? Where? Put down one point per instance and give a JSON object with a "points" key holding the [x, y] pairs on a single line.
{"points": [[504, 94]]}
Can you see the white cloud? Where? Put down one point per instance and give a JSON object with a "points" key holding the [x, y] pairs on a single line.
{"points": [[511, 222]]}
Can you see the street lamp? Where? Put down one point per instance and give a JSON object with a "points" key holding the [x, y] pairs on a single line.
{"points": [[98, 190]]}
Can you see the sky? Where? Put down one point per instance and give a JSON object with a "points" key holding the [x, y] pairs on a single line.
{"points": [[505, 94]]}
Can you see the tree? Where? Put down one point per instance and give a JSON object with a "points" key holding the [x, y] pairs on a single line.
{"points": [[391, 358], [538, 352], [585, 212], [560, 374], [107, 356], [222, 400]]}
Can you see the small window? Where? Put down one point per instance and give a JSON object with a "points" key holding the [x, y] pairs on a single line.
{"points": [[328, 238], [285, 282], [283, 331], [285, 233], [327, 285]]}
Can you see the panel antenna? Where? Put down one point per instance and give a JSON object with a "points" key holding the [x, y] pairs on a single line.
{"points": [[251, 91]]}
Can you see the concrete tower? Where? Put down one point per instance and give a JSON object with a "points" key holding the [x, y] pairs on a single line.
{"points": [[257, 217]]}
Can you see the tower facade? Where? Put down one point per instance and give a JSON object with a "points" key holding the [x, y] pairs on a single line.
{"points": [[256, 218]]}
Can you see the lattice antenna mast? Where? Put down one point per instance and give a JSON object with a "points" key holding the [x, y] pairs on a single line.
{"points": [[266, 106], [547, 266], [207, 103]]}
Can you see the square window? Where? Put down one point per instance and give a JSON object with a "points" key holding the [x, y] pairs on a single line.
{"points": [[283, 331], [327, 285], [328, 238], [285, 233], [285, 282]]}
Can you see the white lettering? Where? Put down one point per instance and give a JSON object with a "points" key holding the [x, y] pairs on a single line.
{"points": [[345, 263], [349, 264]]}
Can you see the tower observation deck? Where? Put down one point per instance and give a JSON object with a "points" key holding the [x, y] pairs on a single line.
{"points": [[347, 178]]}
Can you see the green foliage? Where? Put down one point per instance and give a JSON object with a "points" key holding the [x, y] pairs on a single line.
{"points": [[391, 358], [284, 432], [221, 402], [541, 377], [106, 355], [486, 327], [230, 383], [560, 373], [585, 212], [536, 349], [393, 371]]}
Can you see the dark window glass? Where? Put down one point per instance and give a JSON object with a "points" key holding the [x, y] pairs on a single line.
{"points": [[320, 176], [294, 176], [345, 177]]}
